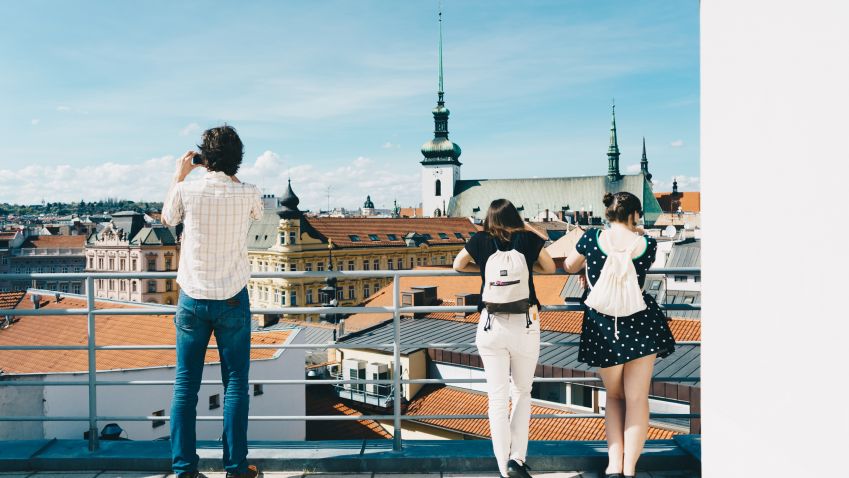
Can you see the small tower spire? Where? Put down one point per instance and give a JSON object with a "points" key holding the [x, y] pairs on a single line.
{"points": [[441, 91], [644, 162], [613, 150], [674, 186]]}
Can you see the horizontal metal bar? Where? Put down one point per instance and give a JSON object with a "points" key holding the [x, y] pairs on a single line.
{"points": [[214, 418], [296, 274], [35, 383], [342, 345], [144, 310]]}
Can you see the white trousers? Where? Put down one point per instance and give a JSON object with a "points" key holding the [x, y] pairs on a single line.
{"points": [[509, 351]]}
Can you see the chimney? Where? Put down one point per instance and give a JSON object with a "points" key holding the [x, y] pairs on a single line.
{"points": [[466, 299], [430, 297], [546, 215], [341, 328], [36, 301], [413, 298], [267, 320]]}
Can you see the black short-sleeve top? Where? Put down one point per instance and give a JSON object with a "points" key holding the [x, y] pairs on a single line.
{"points": [[482, 245], [589, 247]]}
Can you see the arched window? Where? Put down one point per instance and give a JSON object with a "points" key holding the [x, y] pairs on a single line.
{"points": [[438, 187]]}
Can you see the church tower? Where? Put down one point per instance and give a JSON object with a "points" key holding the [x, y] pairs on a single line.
{"points": [[644, 162], [441, 165], [613, 152]]}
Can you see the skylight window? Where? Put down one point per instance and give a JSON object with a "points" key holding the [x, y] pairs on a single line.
{"points": [[443, 235], [458, 235], [354, 238], [392, 237], [373, 237]]}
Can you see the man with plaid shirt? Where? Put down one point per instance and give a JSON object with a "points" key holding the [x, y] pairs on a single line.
{"points": [[216, 211]]}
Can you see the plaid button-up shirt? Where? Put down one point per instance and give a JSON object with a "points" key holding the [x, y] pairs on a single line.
{"points": [[216, 213]]}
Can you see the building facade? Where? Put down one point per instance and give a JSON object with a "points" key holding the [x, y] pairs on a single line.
{"points": [[46, 253], [287, 240], [129, 244]]}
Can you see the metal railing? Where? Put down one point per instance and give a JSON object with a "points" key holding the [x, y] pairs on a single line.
{"points": [[91, 313]]}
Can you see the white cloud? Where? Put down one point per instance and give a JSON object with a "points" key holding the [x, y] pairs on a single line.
{"points": [[35, 121], [632, 168], [148, 181], [190, 129], [390, 145], [63, 108], [677, 143], [349, 183], [145, 180]]}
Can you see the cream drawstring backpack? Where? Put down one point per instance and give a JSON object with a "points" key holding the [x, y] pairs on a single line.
{"points": [[617, 291]]}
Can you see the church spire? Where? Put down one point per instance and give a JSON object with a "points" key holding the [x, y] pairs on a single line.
{"points": [[644, 162], [440, 150], [613, 151], [441, 91]]}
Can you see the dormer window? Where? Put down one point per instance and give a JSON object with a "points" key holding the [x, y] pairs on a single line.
{"points": [[293, 238]]}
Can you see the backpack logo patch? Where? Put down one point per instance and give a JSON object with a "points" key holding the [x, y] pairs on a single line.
{"points": [[503, 273]]}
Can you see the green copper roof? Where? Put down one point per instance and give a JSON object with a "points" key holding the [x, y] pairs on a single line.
{"points": [[538, 194]]}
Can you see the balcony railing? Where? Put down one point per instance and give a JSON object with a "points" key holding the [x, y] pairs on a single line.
{"points": [[395, 310], [42, 252]]}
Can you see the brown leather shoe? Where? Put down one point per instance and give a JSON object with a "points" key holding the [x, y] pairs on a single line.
{"points": [[251, 472]]}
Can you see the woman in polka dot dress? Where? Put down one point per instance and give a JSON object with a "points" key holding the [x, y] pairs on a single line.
{"points": [[626, 359]]}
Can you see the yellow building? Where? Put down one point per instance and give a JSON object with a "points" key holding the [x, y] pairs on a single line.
{"points": [[287, 240]]}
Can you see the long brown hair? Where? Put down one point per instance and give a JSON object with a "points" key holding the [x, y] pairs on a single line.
{"points": [[502, 220]]}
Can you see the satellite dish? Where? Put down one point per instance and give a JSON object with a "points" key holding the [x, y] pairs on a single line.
{"points": [[669, 231]]}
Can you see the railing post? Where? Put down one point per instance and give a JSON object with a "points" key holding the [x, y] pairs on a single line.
{"points": [[396, 350], [92, 367]]}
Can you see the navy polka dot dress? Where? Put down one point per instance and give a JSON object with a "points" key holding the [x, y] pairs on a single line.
{"points": [[641, 334]]}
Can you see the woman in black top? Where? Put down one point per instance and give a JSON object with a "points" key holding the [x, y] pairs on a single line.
{"points": [[624, 348], [507, 340]]}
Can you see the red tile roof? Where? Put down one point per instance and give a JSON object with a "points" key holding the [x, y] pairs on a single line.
{"points": [[410, 212], [548, 289], [442, 400], [53, 242], [110, 330], [690, 201], [340, 230], [9, 300], [322, 401]]}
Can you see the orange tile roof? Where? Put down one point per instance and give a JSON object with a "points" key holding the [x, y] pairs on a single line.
{"points": [[8, 235], [9, 300], [110, 330], [686, 329], [410, 212], [322, 401], [52, 242], [690, 201], [548, 289], [339, 229], [442, 400]]}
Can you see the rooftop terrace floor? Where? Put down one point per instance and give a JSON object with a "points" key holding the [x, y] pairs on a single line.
{"points": [[675, 458]]}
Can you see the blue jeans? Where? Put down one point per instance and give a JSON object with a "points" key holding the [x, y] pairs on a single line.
{"points": [[195, 321]]}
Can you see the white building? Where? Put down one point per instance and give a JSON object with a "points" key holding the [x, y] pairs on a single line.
{"points": [[133, 365]]}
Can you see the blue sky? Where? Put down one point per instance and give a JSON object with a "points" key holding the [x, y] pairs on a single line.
{"points": [[99, 97]]}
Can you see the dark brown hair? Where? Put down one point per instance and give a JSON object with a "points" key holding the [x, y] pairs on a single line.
{"points": [[620, 206], [221, 149], [502, 220]]}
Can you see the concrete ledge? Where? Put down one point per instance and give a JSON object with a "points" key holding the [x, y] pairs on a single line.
{"points": [[334, 456]]}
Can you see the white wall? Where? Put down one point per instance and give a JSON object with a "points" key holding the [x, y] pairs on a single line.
{"points": [[21, 401], [146, 399], [449, 175]]}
